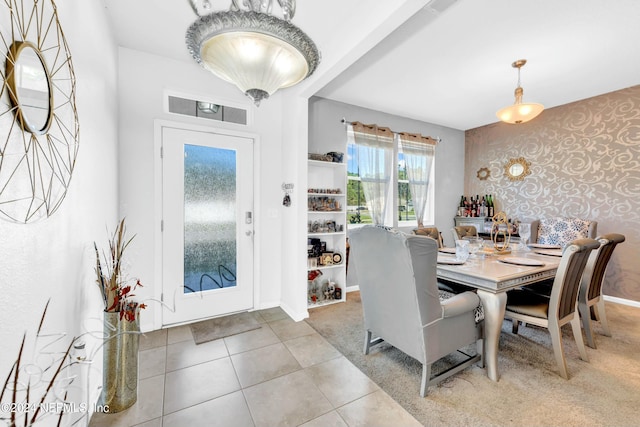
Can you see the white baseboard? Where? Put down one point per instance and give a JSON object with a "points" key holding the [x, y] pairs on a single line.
{"points": [[622, 301], [616, 300], [293, 314]]}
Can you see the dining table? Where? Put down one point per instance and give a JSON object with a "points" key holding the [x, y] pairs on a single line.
{"points": [[492, 275]]}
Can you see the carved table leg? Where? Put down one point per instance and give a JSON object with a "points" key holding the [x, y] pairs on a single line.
{"points": [[494, 307]]}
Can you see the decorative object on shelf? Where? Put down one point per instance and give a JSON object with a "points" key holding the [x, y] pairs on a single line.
{"points": [[314, 289], [321, 157], [324, 204], [337, 258], [483, 174], [249, 47], [326, 258], [328, 226], [324, 191], [314, 247], [121, 324], [336, 157], [519, 112], [287, 188], [329, 290], [37, 111], [314, 274], [501, 233], [517, 169]]}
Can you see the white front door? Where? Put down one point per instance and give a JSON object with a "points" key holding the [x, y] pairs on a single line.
{"points": [[207, 238]]}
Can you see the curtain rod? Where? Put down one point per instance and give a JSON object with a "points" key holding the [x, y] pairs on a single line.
{"points": [[346, 122]]}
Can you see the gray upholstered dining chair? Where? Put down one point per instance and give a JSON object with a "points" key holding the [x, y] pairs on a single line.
{"points": [[430, 232], [590, 294], [559, 308], [401, 303], [464, 231]]}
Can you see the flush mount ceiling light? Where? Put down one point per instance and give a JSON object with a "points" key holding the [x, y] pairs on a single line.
{"points": [[519, 112], [251, 48], [208, 107]]}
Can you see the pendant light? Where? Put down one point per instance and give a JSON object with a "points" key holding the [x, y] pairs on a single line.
{"points": [[519, 112], [249, 47]]}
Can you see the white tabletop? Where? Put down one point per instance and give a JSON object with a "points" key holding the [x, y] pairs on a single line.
{"points": [[489, 274]]}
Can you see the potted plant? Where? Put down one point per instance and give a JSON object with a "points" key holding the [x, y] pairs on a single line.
{"points": [[121, 324]]}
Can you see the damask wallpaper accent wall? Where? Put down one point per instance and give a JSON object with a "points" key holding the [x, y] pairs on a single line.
{"points": [[585, 163]]}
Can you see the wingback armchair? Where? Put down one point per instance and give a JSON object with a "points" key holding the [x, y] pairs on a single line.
{"points": [[401, 304]]}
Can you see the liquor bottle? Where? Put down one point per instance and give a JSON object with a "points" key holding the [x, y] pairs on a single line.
{"points": [[461, 207], [491, 207]]}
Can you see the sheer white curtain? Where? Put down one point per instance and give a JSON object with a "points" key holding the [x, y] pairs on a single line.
{"points": [[375, 161], [418, 152]]}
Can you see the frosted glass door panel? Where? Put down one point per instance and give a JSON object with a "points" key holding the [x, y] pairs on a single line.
{"points": [[207, 214], [210, 212]]}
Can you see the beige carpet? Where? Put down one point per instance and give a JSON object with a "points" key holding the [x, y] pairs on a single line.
{"points": [[604, 392], [220, 327]]}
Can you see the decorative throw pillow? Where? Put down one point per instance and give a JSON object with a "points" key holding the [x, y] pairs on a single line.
{"points": [[560, 231]]}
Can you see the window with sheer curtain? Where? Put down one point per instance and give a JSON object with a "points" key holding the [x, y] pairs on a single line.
{"points": [[418, 155], [385, 167]]}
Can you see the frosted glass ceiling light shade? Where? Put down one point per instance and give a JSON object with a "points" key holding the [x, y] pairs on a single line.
{"points": [[254, 50], [519, 112]]}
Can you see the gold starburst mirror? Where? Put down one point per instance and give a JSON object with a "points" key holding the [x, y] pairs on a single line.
{"points": [[39, 127], [483, 174]]}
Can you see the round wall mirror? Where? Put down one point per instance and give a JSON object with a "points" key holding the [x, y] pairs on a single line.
{"points": [[40, 138], [517, 169], [30, 87]]}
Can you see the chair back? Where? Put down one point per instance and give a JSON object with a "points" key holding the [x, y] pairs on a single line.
{"points": [[592, 278], [564, 294], [562, 231], [398, 285], [429, 232], [464, 231]]}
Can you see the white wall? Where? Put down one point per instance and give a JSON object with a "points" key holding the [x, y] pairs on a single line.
{"points": [[54, 258], [142, 80], [325, 128]]}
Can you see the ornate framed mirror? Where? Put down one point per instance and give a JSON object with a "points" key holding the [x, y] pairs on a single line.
{"points": [[39, 130], [517, 169]]}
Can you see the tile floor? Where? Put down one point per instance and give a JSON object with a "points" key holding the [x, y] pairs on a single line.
{"points": [[282, 374]]}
